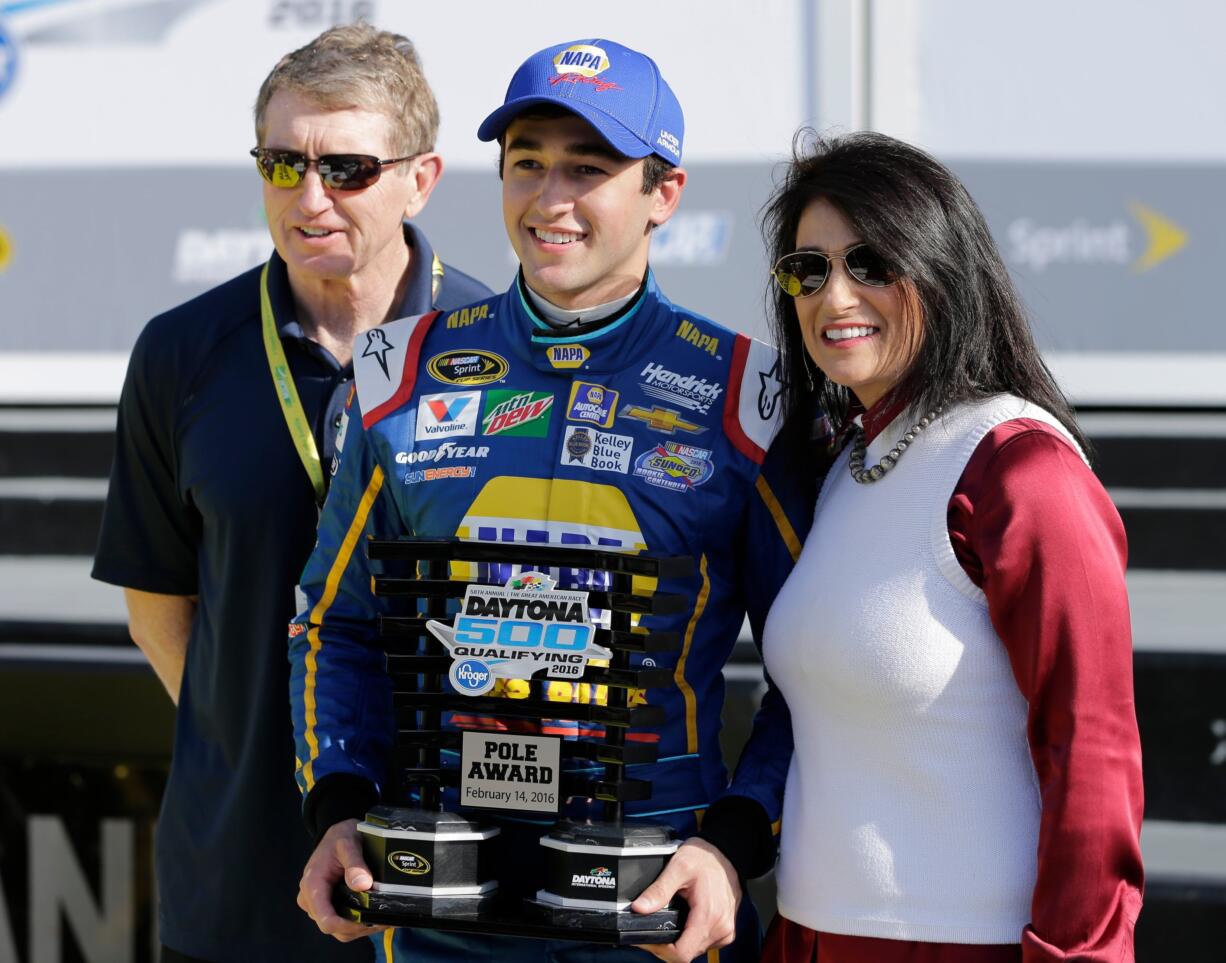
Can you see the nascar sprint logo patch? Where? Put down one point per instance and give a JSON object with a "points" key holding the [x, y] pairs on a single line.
{"points": [[467, 367]]}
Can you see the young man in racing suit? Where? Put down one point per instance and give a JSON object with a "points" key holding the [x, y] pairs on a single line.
{"points": [[579, 407]]}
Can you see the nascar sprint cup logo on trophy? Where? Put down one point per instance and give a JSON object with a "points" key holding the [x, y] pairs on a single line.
{"points": [[469, 836]]}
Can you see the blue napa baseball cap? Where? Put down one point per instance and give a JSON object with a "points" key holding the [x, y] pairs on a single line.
{"points": [[617, 90]]}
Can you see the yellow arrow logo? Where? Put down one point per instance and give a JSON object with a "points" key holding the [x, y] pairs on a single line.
{"points": [[6, 249], [1165, 237]]}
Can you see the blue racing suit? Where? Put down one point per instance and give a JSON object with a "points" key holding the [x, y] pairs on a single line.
{"points": [[654, 429]]}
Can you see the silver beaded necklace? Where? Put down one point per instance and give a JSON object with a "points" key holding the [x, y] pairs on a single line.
{"points": [[859, 448]]}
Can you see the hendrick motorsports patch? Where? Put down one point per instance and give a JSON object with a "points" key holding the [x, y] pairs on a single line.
{"points": [[517, 630], [467, 367], [503, 771], [675, 466]]}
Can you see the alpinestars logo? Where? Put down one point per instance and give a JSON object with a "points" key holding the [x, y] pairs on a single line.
{"points": [[377, 347]]}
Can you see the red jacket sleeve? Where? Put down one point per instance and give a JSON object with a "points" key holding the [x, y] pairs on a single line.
{"points": [[1034, 528]]}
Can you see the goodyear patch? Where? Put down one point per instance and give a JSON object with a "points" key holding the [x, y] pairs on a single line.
{"points": [[675, 466], [567, 356], [468, 366], [594, 404], [689, 332], [466, 316], [522, 414]]}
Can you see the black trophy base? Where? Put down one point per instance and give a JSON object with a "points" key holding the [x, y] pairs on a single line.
{"points": [[662, 927], [500, 915]]}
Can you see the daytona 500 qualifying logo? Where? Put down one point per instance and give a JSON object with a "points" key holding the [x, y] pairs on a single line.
{"points": [[515, 631]]}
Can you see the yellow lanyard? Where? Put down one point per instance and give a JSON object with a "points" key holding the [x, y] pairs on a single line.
{"points": [[287, 394], [436, 278], [287, 391]]}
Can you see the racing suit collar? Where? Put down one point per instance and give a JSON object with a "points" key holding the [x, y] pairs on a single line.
{"points": [[608, 344]]}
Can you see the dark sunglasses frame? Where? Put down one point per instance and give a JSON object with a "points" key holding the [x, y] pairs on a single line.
{"points": [[357, 171], [779, 274]]}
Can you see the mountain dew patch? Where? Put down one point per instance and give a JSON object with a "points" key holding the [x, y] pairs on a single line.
{"points": [[524, 414]]}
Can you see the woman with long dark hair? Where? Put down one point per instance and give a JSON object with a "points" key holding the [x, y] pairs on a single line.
{"points": [[954, 642]]}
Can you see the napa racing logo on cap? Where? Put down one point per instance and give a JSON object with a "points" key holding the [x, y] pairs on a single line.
{"points": [[411, 864], [449, 413], [594, 404], [522, 414], [516, 630], [675, 466], [567, 355], [597, 450], [468, 366], [580, 64]]}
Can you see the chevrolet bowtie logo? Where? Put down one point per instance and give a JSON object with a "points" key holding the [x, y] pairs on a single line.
{"points": [[661, 419]]}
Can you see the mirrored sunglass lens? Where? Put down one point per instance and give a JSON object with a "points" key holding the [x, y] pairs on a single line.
{"points": [[789, 282], [281, 169], [869, 267], [810, 271], [349, 172]]}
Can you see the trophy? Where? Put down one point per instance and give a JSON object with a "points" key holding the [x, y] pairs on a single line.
{"points": [[558, 878]]}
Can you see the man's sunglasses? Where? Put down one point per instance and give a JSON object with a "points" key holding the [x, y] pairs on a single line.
{"points": [[802, 273], [340, 172]]}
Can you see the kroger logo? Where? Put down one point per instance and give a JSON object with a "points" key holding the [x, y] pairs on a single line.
{"points": [[471, 676]]}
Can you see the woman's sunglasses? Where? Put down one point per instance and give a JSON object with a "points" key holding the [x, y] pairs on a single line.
{"points": [[340, 172], [802, 273]]}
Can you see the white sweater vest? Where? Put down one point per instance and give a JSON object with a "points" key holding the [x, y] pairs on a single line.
{"points": [[912, 806]]}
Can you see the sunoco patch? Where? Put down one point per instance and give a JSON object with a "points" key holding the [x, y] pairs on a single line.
{"points": [[675, 466]]}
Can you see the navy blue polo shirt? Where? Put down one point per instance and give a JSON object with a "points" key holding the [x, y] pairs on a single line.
{"points": [[208, 498]]}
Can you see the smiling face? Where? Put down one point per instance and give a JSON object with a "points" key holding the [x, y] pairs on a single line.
{"points": [[576, 213], [862, 337], [326, 235]]}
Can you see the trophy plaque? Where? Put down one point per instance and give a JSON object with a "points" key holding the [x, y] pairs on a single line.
{"points": [[468, 836]]}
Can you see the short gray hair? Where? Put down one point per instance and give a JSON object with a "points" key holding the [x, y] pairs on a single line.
{"points": [[355, 65]]}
